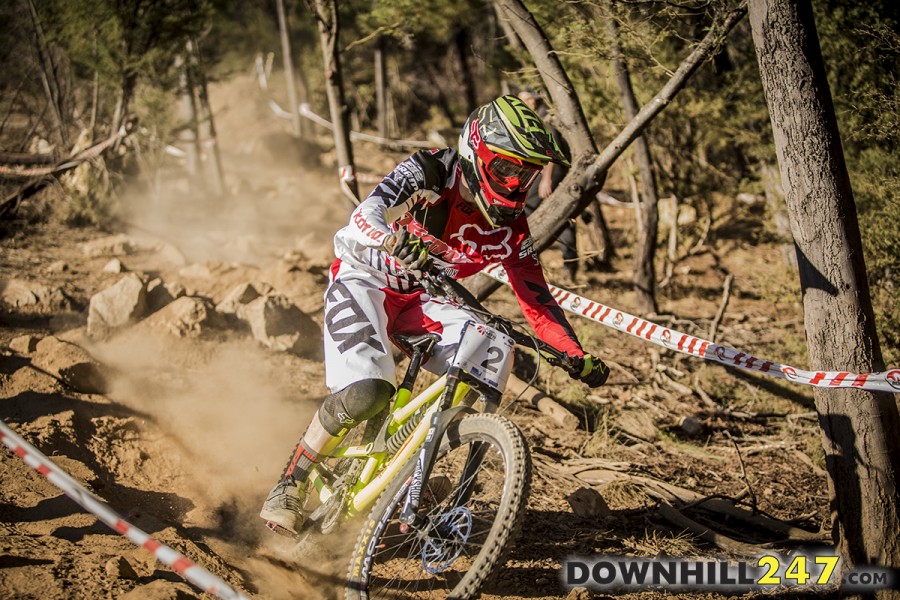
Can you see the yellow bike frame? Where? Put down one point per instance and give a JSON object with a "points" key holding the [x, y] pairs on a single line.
{"points": [[380, 469]]}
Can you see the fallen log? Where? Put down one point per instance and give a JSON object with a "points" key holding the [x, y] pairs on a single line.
{"points": [[544, 403], [684, 498]]}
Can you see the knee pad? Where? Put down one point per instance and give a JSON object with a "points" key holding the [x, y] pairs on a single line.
{"points": [[356, 402]]}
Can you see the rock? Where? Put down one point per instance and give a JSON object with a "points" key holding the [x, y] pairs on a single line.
{"points": [[637, 423], [76, 469], [187, 316], [20, 293], [160, 294], [120, 568], [170, 253], [587, 502], [278, 324], [24, 344], [114, 266], [751, 199], [71, 364], [59, 266], [579, 593], [197, 271], [115, 245], [241, 296], [119, 305], [690, 425], [161, 589]]}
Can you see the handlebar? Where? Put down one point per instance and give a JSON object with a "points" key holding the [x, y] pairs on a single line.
{"points": [[437, 283]]}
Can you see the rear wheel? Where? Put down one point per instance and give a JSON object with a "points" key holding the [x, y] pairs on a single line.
{"points": [[473, 500]]}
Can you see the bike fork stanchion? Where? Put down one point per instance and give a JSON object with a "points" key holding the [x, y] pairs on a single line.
{"points": [[425, 460]]}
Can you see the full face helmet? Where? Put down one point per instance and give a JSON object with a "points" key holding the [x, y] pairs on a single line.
{"points": [[502, 148]]}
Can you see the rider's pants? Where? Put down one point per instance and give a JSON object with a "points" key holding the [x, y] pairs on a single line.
{"points": [[360, 316]]}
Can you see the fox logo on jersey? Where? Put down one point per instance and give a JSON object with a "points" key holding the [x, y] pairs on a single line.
{"points": [[492, 245]]}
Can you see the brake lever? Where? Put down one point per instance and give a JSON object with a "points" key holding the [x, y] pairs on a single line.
{"points": [[437, 283]]}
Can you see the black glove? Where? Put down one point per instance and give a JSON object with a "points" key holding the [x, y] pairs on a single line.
{"points": [[408, 249], [591, 370]]}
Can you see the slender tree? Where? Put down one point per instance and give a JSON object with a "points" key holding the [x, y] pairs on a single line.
{"points": [[862, 447], [381, 86], [329, 33], [209, 137], [288, 62], [644, 277], [189, 136]]}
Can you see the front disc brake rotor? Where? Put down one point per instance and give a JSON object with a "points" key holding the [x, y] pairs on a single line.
{"points": [[451, 532]]}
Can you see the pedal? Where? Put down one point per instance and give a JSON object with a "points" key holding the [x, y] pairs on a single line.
{"points": [[276, 528]]}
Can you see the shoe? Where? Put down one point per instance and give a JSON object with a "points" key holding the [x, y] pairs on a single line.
{"points": [[283, 508]]}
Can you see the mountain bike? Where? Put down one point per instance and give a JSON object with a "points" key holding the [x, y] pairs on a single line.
{"points": [[445, 478]]}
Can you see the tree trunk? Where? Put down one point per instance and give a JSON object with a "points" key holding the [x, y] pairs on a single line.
{"points": [[188, 133], [209, 136], [862, 447], [461, 42], [771, 180], [381, 87], [49, 76], [329, 34], [293, 105], [571, 120], [508, 32], [644, 278]]}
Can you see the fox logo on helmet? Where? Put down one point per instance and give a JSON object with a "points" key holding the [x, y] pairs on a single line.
{"points": [[893, 378]]}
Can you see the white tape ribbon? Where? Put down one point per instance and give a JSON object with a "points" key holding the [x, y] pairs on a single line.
{"points": [[887, 381], [182, 565]]}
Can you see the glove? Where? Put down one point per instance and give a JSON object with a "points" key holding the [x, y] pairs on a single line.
{"points": [[591, 370], [408, 249]]}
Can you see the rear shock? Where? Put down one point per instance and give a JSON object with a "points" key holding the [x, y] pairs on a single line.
{"points": [[396, 441]]}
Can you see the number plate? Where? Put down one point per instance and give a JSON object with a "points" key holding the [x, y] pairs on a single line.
{"points": [[486, 354]]}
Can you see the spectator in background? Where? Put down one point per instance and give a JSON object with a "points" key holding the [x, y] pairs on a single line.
{"points": [[549, 178]]}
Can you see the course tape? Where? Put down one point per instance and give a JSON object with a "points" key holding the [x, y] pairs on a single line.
{"points": [[192, 572], [887, 381]]}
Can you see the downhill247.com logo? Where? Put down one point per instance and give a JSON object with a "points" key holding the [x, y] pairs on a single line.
{"points": [[817, 570]]}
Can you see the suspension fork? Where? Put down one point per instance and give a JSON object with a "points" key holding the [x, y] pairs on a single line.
{"points": [[440, 420]]}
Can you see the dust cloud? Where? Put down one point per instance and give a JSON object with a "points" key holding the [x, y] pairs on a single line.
{"points": [[279, 193], [227, 404]]}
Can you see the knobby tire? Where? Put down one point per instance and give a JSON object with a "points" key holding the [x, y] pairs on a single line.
{"points": [[481, 507]]}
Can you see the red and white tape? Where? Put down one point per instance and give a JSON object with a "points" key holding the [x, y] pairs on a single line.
{"points": [[192, 572], [887, 381]]}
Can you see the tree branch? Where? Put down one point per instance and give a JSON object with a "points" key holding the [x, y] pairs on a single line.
{"points": [[589, 170]]}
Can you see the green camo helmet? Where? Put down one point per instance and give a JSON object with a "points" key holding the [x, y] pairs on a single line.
{"points": [[503, 147]]}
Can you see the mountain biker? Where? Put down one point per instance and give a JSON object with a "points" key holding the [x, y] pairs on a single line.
{"points": [[460, 210]]}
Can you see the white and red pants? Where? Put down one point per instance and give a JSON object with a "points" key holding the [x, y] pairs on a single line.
{"points": [[362, 314]]}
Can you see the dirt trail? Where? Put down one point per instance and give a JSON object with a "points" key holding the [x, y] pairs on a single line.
{"points": [[192, 431]]}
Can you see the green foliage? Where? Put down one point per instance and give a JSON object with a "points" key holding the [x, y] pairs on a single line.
{"points": [[415, 21], [861, 47], [122, 39]]}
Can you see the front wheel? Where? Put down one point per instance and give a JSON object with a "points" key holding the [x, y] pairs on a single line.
{"points": [[473, 501]]}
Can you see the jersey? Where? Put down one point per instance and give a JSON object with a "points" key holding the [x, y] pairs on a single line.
{"points": [[423, 194]]}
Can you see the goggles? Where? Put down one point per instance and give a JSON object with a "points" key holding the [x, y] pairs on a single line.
{"points": [[507, 173]]}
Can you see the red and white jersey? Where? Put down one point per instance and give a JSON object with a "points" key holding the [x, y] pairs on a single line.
{"points": [[422, 193]]}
